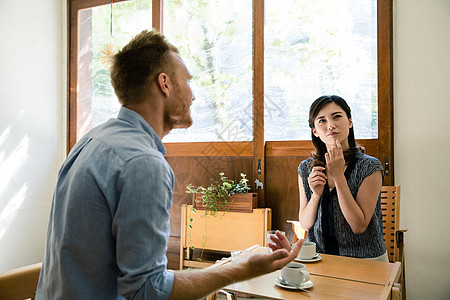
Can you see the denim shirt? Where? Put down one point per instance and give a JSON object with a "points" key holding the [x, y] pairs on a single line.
{"points": [[109, 222]]}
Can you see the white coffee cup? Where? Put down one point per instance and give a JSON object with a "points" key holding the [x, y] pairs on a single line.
{"points": [[308, 250], [295, 273]]}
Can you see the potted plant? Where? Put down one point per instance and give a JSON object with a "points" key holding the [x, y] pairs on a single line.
{"points": [[224, 195]]}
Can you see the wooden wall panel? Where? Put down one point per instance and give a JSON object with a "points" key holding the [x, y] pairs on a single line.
{"points": [[198, 171], [282, 194]]}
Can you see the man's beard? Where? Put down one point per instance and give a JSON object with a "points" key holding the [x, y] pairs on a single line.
{"points": [[177, 117], [177, 114]]}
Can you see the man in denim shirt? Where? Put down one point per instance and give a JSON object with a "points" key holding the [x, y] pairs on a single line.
{"points": [[109, 223]]}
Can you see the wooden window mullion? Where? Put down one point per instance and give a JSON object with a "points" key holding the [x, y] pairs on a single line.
{"points": [[385, 89], [258, 96], [157, 14]]}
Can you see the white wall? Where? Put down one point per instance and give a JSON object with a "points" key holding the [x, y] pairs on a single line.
{"points": [[31, 124], [422, 141]]}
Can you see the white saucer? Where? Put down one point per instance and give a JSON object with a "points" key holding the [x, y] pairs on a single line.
{"points": [[305, 285], [316, 257]]}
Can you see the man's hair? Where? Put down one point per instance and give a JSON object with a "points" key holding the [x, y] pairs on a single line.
{"points": [[139, 63]]}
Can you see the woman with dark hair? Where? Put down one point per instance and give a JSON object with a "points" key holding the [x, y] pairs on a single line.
{"points": [[340, 186]]}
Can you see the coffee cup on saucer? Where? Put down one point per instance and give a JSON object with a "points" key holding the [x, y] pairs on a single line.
{"points": [[308, 250], [295, 274]]}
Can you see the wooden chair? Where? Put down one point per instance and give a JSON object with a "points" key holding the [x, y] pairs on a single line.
{"points": [[393, 236], [20, 283], [390, 204], [299, 232], [230, 296], [396, 292]]}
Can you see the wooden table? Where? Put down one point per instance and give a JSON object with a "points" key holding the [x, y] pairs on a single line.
{"points": [[334, 277]]}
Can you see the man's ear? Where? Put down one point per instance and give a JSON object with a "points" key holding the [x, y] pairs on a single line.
{"points": [[163, 83]]}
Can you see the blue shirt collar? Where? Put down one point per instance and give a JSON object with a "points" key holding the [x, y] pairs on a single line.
{"points": [[137, 120]]}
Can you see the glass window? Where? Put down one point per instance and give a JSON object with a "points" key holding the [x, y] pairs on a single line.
{"points": [[97, 102], [315, 48], [215, 40]]}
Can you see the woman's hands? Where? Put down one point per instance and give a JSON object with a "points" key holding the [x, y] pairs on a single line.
{"points": [[335, 160], [317, 180], [335, 166]]}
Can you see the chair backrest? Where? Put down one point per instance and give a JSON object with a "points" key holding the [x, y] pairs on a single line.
{"points": [[299, 232], [390, 204], [20, 283]]}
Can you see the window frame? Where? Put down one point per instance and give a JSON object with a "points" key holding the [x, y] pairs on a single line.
{"points": [[382, 147]]}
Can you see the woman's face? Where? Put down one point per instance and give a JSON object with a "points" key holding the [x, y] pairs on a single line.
{"points": [[331, 124]]}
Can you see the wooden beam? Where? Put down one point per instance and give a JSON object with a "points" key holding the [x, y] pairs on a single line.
{"points": [[82, 4], [225, 149], [304, 148]]}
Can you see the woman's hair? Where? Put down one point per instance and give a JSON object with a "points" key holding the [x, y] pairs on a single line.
{"points": [[139, 63], [321, 149]]}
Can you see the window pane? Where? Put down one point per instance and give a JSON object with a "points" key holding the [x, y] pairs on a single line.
{"points": [[97, 102], [314, 48], [215, 40]]}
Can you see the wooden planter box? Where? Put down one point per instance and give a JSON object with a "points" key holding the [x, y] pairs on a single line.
{"points": [[220, 232], [241, 202]]}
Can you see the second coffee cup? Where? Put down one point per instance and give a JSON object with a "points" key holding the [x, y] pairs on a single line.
{"points": [[308, 250]]}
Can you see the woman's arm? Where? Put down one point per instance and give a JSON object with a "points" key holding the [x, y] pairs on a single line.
{"points": [[308, 210], [358, 213]]}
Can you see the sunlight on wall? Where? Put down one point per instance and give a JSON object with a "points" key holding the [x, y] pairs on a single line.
{"points": [[10, 166], [10, 211], [5, 134]]}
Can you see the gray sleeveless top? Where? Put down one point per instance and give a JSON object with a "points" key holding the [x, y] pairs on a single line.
{"points": [[368, 244]]}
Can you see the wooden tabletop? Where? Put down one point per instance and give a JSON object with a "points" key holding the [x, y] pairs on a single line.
{"points": [[356, 269], [334, 277], [324, 288]]}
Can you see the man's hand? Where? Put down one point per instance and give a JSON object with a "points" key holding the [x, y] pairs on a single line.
{"points": [[262, 263], [186, 287]]}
